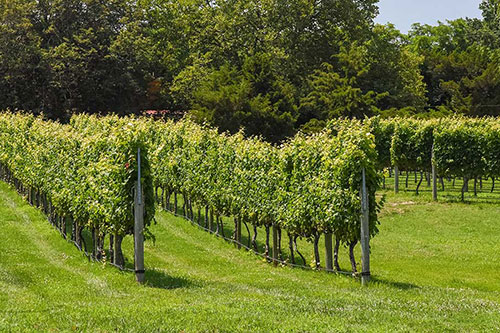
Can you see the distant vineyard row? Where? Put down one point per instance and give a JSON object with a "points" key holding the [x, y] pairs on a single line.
{"points": [[458, 147]]}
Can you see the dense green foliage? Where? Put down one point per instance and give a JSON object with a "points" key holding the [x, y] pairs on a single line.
{"points": [[87, 173], [461, 147], [308, 186], [272, 67], [63, 56], [411, 146], [86, 170], [461, 65]]}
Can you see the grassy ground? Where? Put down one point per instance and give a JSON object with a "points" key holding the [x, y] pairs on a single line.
{"points": [[436, 268]]}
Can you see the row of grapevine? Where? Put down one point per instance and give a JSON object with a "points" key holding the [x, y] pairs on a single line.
{"points": [[82, 176], [84, 173], [82, 179], [458, 147], [308, 187]]}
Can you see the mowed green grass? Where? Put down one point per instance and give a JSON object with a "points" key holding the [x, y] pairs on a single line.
{"points": [[436, 268]]}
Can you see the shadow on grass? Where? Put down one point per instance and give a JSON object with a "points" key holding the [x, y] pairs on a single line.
{"points": [[490, 200], [246, 234], [394, 284], [158, 279], [155, 278]]}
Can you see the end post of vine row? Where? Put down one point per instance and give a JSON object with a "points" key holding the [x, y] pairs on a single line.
{"points": [[365, 232], [139, 224]]}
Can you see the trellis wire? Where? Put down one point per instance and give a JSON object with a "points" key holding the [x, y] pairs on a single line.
{"points": [[270, 259]]}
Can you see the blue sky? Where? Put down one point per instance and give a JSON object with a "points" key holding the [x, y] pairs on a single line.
{"points": [[403, 13]]}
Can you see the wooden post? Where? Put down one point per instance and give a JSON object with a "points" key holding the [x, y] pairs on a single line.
{"points": [[434, 178], [365, 232], [275, 245], [328, 252], [139, 225], [396, 179]]}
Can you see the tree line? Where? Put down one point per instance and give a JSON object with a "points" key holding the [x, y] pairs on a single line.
{"points": [[272, 67]]}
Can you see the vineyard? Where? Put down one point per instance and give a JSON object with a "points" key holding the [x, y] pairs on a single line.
{"points": [[82, 180], [249, 166], [450, 148], [435, 268], [83, 175], [300, 204]]}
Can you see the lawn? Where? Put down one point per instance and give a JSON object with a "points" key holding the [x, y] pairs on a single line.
{"points": [[436, 267]]}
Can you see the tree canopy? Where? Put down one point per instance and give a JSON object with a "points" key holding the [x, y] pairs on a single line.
{"points": [[271, 67]]}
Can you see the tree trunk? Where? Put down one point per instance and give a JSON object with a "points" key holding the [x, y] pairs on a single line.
{"points": [[64, 229], [420, 182], [336, 255], [234, 237], [100, 246], [217, 226], [118, 254], [248, 231], [73, 228], [441, 180], [493, 185], [266, 253], [407, 177], [396, 180], [206, 217], [211, 220], [111, 241], [184, 204], [78, 235], [290, 247], [463, 188], [167, 201], [328, 252], [254, 239], [94, 244], [316, 251], [280, 254], [222, 227], [297, 250], [351, 256], [475, 186], [163, 198], [275, 245], [175, 202], [191, 209]]}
